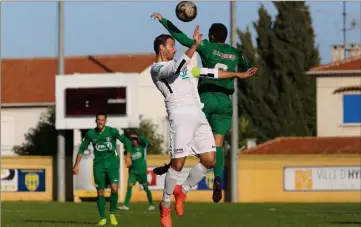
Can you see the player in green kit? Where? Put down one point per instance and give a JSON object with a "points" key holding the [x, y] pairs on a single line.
{"points": [[106, 163], [137, 164], [215, 94]]}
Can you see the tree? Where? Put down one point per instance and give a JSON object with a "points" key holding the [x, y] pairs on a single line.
{"points": [[41, 140], [258, 95], [148, 129], [267, 47], [280, 99], [293, 26]]}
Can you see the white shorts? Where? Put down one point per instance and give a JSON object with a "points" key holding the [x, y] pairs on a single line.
{"points": [[190, 133]]}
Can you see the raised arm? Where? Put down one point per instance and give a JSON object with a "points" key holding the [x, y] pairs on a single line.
{"points": [[178, 35], [144, 140]]}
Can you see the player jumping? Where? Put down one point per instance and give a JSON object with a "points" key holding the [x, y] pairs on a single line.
{"points": [[106, 163], [214, 94], [137, 164], [190, 132]]}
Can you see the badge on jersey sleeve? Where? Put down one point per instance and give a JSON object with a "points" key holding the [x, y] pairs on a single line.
{"points": [[158, 68]]}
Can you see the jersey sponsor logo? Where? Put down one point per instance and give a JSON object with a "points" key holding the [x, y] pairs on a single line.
{"points": [[184, 74], [104, 147], [224, 56], [108, 139], [136, 155]]}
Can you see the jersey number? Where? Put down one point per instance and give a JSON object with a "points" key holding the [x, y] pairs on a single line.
{"points": [[221, 66]]}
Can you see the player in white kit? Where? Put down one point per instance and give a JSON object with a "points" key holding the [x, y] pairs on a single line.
{"points": [[190, 131]]}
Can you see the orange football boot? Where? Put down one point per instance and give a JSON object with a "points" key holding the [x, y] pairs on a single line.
{"points": [[165, 217], [180, 197]]}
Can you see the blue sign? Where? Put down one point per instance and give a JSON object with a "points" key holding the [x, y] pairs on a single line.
{"points": [[31, 180], [207, 182]]}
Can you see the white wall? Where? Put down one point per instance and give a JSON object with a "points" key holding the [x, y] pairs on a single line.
{"points": [[15, 123], [330, 107]]}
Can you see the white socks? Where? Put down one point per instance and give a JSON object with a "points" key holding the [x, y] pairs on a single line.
{"points": [[171, 179], [196, 174]]}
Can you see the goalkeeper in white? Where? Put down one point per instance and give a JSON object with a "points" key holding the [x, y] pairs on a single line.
{"points": [[190, 133]]}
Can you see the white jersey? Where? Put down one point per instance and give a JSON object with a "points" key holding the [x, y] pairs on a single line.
{"points": [[173, 80], [190, 132]]}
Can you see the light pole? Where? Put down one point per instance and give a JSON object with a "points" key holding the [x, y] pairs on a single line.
{"points": [[61, 133], [233, 156]]}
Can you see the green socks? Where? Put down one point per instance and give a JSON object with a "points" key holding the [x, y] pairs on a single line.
{"points": [[113, 202], [128, 196], [101, 206], [218, 168], [149, 195]]}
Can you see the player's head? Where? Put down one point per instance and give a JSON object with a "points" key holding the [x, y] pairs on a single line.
{"points": [[134, 138], [218, 33], [164, 46], [100, 120]]}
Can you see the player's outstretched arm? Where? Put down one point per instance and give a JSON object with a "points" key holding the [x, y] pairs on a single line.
{"points": [[178, 35], [243, 64], [220, 74], [83, 146]]}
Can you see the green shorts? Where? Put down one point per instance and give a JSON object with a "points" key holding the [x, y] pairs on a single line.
{"points": [[218, 110], [138, 176], [106, 173]]}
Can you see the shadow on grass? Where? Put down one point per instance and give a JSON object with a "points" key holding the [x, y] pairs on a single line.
{"points": [[346, 222]]}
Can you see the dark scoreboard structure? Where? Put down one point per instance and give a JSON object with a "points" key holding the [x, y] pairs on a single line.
{"points": [[80, 96]]}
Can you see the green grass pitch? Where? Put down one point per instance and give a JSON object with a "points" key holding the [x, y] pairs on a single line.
{"points": [[25, 214]]}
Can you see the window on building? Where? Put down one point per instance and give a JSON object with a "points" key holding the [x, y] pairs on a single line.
{"points": [[352, 108]]}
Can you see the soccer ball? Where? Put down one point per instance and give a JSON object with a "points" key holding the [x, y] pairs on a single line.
{"points": [[186, 11]]}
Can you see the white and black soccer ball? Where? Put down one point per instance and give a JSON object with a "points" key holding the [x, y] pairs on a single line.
{"points": [[186, 11]]}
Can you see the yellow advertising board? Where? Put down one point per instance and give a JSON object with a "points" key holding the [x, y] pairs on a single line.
{"points": [[299, 178], [26, 178], [261, 178]]}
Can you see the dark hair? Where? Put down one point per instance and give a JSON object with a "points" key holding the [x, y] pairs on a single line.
{"points": [[130, 131], [219, 32], [101, 114], [161, 40]]}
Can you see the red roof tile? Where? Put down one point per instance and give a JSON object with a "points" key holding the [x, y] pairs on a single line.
{"points": [[348, 64], [32, 80], [308, 145]]}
